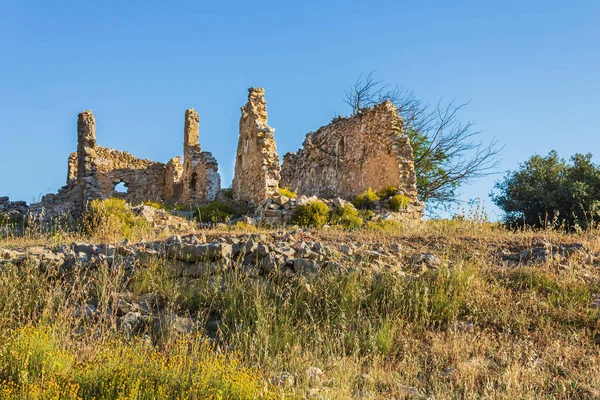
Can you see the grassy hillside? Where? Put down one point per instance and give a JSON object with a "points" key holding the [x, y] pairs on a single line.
{"points": [[447, 309]]}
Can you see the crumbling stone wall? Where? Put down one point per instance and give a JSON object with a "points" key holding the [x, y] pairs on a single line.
{"points": [[94, 173], [173, 180], [100, 169], [86, 156], [257, 170], [201, 180], [12, 209], [353, 154], [143, 179]]}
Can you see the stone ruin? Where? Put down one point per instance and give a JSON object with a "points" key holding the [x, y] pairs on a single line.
{"points": [[257, 163], [351, 155], [95, 172], [339, 160]]}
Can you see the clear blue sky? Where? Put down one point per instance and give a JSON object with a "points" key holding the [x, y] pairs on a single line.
{"points": [[530, 69]]}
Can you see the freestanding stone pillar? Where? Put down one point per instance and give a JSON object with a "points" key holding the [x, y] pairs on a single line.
{"points": [[257, 163]]}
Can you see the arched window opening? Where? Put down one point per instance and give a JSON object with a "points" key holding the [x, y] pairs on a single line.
{"points": [[193, 181], [121, 188]]}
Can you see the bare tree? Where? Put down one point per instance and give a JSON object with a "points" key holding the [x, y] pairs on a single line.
{"points": [[447, 152]]}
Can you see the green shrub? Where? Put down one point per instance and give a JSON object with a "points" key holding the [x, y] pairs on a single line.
{"points": [[366, 215], [399, 202], [113, 219], [346, 216], [227, 193], [312, 214], [218, 211], [287, 193], [550, 192], [366, 200], [156, 205], [181, 207], [13, 220], [387, 192]]}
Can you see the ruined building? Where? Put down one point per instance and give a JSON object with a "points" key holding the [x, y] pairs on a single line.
{"points": [[353, 154], [94, 172], [342, 159], [256, 163]]}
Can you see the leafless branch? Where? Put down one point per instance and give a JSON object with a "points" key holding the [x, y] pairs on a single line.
{"points": [[447, 153]]}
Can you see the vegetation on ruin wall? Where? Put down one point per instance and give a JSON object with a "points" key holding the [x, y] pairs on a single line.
{"points": [[474, 327], [287, 193]]}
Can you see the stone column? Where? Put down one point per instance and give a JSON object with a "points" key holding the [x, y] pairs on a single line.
{"points": [[191, 133], [257, 170], [191, 154], [86, 166]]}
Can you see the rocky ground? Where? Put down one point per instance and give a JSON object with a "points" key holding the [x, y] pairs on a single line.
{"points": [[428, 311]]}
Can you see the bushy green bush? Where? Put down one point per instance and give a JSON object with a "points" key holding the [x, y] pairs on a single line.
{"points": [[13, 220], [227, 193], [399, 202], [154, 204], [550, 192], [218, 211], [113, 219], [313, 214], [346, 216], [366, 215], [366, 200], [287, 193], [387, 191]]}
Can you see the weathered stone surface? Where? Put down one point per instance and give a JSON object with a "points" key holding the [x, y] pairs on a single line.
{"points": [[95, 172], [201, 252], [306, 267], [353, 154], [12, 211], [201, 181], [257, 170]]}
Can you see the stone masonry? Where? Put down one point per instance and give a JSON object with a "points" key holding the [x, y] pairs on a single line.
{"points": [[201, 180], [353, 154], [339, 160], [94, 172], [257, 170]]}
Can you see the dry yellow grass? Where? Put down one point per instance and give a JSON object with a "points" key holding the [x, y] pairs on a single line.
{"points": [[477, 327]]}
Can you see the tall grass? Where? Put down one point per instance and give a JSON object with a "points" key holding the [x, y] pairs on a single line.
{"points": [[476, 327]]}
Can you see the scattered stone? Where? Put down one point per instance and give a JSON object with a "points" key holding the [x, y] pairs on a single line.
{"points": [[427, 260], [306, 267], [313, 376], [284, 380], [131, 322]]}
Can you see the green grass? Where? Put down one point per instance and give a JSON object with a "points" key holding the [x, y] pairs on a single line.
{"points": [[36, 362]]}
